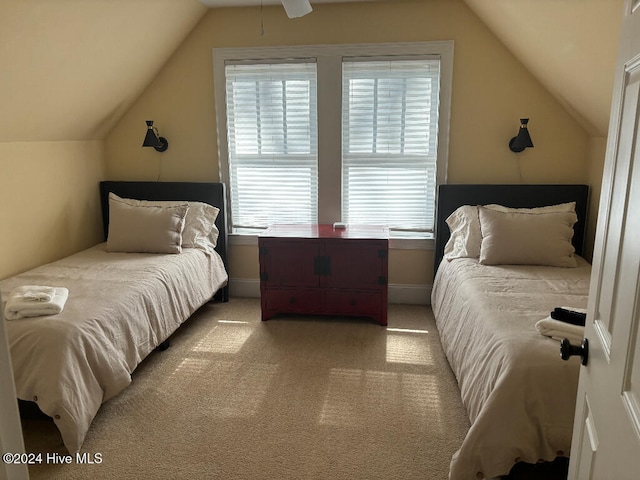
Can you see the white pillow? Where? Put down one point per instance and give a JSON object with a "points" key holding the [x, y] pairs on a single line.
{"points": [[200, 229], [145, 229], [516, 238], [561, 207], [466, 237], [464, 225]]}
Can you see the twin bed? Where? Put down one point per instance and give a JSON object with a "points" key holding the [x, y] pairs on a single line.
{"points": [[503, 272], [164, 257], [123, 303]]}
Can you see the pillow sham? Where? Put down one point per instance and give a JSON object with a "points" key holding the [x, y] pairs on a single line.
{"points": [[145, 229], [516, 238], [561, 207], [199, 229], [464, 225], [465, 238]]}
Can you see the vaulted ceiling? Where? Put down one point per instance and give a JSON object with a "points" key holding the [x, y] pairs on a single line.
{"points": [[71, 68], [569, 45]]}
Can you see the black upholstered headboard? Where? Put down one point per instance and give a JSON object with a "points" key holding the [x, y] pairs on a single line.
{"points": [[211, 193], [452, 196]]}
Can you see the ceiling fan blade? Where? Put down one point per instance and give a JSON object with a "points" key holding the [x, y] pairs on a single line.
{"points": [[296, 8]]}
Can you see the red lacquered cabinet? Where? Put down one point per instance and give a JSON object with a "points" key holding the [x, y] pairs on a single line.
{"points": [[321, 270]]}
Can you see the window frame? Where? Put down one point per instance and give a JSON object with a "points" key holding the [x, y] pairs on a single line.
{"points": [[369, 155], [260, 147], [329, 64]]}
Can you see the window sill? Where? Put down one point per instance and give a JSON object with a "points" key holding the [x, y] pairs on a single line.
{"points": [[399, 243]]}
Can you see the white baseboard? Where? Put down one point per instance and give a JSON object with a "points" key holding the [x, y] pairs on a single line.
{"points": [[405, 294], [410, 294], [244, 287]]}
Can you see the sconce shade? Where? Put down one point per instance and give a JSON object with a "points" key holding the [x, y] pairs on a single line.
{"points": [[523, 139], [152, 139]]}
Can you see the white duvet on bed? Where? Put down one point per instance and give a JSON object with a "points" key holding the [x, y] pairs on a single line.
{"points": [[519, 394], [120, 307]]}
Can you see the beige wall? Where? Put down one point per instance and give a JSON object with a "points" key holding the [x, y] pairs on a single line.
{"points": [[70, 69], [49, 201], [491, 91]]}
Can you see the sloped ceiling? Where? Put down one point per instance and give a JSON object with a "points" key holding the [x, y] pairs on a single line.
{"points": [[569, 45], [71, 68]]}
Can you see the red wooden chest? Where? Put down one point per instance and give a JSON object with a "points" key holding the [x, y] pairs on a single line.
{"points": [[319, 269]]}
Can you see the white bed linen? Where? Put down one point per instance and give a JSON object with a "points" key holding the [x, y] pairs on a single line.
{"points": [[519, 395], [120, 307]]}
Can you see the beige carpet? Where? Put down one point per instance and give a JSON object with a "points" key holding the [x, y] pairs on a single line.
{"points": [[291, 398]]}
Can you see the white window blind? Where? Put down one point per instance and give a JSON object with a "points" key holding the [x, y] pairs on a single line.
{"points": [[389, 142], [272, 143]]}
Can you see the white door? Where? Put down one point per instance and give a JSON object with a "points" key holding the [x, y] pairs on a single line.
{"points": [[10, 429], [606, 436]]}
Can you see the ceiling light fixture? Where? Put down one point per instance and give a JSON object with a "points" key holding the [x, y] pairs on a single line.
{"points": [[296, 8]]}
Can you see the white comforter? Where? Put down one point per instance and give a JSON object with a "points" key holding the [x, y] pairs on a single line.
{"points": [[519, 394], [120, 307]]}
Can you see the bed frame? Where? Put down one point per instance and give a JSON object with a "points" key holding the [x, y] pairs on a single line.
{"points": [[452, 196], [211, 193], [449, 198]]}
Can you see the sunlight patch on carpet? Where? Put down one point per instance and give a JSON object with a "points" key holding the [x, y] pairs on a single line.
{"points": [[354, 397], [408, 348], [225, 337], [238, 392]]}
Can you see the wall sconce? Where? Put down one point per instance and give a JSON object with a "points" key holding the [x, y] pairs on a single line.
{"points": [[153, 139], [523, 139]]}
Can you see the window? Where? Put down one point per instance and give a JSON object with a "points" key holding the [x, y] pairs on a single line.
{"points": [[272, 137], [353, 133], [389, 142]]}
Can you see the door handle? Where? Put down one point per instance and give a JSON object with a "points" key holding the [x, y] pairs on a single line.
{"points": [[567, 350]]}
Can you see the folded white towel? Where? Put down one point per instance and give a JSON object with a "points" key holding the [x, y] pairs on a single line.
{"points": [[34, 304], [558, 329], [35, 293]]}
